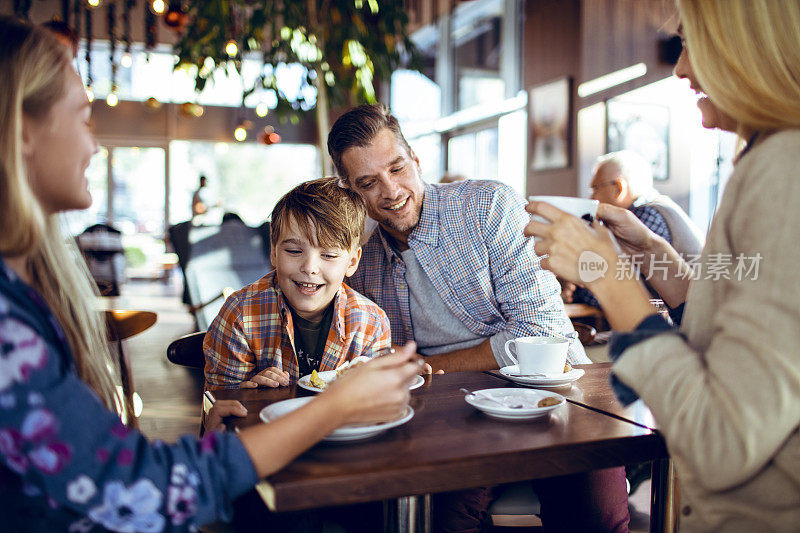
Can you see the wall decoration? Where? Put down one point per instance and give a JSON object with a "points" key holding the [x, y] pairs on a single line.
{"points": [[550, 119], [641, 128]]}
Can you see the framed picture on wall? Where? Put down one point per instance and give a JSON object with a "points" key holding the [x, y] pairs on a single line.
{"points": [[550, 118], [641, 128]]}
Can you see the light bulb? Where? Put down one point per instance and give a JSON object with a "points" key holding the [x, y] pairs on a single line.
{"points": [[262, 109], [126, 60], [240, 134], [112, 99], [158, 6], [231, 49], [93, 3], [90, 94]]}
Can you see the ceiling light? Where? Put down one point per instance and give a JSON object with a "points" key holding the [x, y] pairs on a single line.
{"points": [[612, 80], [158, 6], [231, 48]]}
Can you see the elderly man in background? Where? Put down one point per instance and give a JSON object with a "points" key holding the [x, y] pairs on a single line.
{"points": [[624, 179]]}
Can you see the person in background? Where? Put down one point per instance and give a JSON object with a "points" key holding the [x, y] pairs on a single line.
{"points": [[624, 179], [200, 202], [449, 265], [67, 461], [724, 386], [301, 316]]}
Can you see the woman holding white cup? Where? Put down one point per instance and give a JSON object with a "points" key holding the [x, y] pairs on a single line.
{"points": [[725, 386]]}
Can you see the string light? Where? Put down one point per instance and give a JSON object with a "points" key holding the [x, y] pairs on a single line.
{"points": [[93, 3], [240, 133], [90, 94], [112, 99], [231, 48], [158, 6], [126, 60], [262, 109]]}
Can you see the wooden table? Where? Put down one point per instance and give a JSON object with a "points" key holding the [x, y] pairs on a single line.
{"points": [[593, 392], [448, 445]]}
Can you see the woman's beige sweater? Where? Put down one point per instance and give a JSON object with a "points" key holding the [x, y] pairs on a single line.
{"points": [[727, 396]]}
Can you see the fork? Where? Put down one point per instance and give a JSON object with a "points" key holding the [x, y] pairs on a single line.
{"points": [[498, 402]]}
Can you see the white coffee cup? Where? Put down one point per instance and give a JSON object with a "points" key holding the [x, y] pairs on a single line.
{"points": [[538, 355], [584, 208]]}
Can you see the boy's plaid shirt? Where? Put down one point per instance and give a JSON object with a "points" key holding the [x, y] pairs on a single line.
{"points": [[469, 242], [254, 331]]}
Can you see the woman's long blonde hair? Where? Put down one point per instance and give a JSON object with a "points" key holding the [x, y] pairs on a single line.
{"points": [[34, 69], [746, 56]]}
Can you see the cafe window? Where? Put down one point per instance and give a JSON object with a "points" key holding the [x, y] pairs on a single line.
{"points": [[74, 222], [473, 155], [152, 74], [243, 178], [477, 53]]}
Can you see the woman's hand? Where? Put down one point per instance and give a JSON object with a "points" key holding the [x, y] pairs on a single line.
{"points": [[271, 377], [221, 409], [631, 233], [567, 240], [573, 247], [376, 391]]}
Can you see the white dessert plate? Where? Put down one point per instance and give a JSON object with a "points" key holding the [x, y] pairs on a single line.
{"points": [[349, 433], [329, 375], [486, 400]]}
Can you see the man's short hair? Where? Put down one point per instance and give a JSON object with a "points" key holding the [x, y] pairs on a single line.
{"points": [[632, 167], [337, 214], [358, 127]]}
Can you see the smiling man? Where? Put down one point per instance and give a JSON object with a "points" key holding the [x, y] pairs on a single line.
{"points": [[448, 263], [450, 266]]}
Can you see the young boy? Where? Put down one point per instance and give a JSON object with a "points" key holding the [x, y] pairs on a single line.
{"points": [[301, 316]]}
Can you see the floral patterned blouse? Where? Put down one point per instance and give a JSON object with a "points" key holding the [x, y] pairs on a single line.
{"points": [[67, 463]]}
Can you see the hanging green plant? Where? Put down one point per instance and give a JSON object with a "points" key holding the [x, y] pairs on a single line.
{"points": [[343, 47]]}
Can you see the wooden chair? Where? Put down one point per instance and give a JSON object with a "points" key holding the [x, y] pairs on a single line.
{"points": [[586, 333], [123, 324], [187, 350]]}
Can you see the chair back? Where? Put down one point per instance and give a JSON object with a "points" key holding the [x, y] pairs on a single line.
{"points": [[214, 258], [101, 246], [686, 237], [188, 350]]}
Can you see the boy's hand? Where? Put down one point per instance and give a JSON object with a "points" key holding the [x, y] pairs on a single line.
{"points": [[271, 377]]}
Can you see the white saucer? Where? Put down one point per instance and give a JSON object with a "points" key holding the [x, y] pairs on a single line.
{"points": [[529, 398], [554, 380], [343, 434], [329, 375]]}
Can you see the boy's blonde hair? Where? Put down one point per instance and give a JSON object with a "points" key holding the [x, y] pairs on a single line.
{"points": [[325, 212], [746, 56], [34, 67]]}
